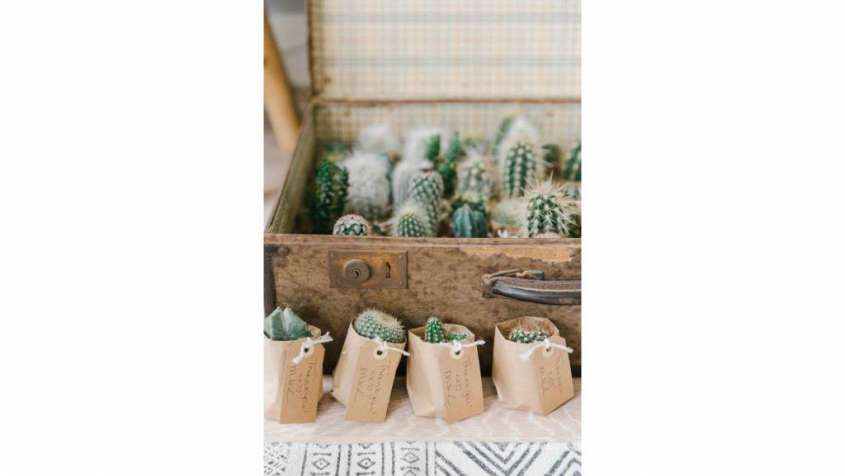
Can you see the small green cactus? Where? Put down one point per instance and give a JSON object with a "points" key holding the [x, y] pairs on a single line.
{"points": [[328, 195], [572, 167], [469, 217], [369, 185], [524, 336], [285, 325], [432, 148], [411, 221], [549, 212], [520, 168], [508, 215], [426, 190], [552, 156], [474, 176], [455, 336], [434, 332], [447, 165], [373, 323], [351, 225]]}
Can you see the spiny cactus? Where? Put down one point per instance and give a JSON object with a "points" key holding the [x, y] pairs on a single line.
{"points": [[328, 195], [520, 168], [401, 177], [411, 221], [434, 332], [285, 325], [551, 157], [373, 323], [418, 142], [333, 151], [379, 139], [514, 128], [572, 167], [474, 175], [571, 190], [508, 215], [426, 190], [549, 212], [501, 132], [369, 185], [447, 165], [351, 225], [525, 336], [469, 217], [455, 336]]}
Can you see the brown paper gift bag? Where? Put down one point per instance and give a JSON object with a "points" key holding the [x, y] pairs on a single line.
{"points": [[294, 368], [534, 377], [363, 376], [444, 380]]}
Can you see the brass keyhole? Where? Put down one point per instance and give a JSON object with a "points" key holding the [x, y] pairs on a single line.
{"points": [[356, 270]]}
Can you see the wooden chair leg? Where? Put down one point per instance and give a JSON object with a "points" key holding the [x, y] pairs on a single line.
{"points": [[278, 100]]}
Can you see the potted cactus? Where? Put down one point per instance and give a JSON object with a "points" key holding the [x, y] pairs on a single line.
{"points": [[352, 225], [368, 193], [327, 198], [548, 211]]}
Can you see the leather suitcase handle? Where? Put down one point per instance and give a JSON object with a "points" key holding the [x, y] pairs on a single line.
{"points": [[529, 285]]}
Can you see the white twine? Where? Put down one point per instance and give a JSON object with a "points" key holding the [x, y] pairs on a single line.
{"points": [[308, 344], [546, 344], [382, 346], [457, 346]]}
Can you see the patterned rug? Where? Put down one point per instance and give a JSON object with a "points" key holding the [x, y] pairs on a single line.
{"points": [[422, 458]]}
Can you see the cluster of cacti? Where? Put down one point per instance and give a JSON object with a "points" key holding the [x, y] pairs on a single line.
{"points": [[435, 333], [548, 211], [471, 187], [328, 195], [572, 167], [285, 325], [352, 225], [469, 217], [525, 336], [369, 185], [373, 323]]}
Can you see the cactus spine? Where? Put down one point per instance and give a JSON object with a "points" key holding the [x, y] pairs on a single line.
{"points": [[352, 225], [524, 336], [373, 323], [572, 168], [549, 212], [369, 185], [285, 325], [426, 191], [411, 221], [520, 168], [328, 196], [434, 332], [469, 217]]}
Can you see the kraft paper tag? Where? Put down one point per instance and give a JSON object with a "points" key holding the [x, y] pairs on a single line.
{"points": [[553, 376], [301, 384], [461, 380], [372, 383]]}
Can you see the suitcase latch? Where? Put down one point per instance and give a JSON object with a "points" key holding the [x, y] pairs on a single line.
{"points": [[368, 270]]}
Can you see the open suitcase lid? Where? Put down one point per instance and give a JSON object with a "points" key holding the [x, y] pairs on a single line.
{"points": [[441, 50]]}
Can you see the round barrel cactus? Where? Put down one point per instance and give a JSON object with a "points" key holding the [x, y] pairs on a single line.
{"points": [[469, 217], [411, 221], [373, 323], [351, 225], [524, 336], [548, 211]]}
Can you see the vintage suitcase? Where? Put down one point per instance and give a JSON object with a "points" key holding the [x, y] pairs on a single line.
{"points": [[458, 65]]}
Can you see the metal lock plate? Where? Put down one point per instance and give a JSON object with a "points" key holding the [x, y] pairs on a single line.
{"points": [[368, 270]]}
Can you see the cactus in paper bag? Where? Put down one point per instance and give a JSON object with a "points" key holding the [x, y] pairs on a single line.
{"points": [[549, 212], [474, 175], [572, 167], [352, 225], [411, 221], [426, 191], [369, 185], [379, 139], [469, 217], [373, 323], [552, 156], [524, 336], [328, 195], [285, 325], [434, 332]]}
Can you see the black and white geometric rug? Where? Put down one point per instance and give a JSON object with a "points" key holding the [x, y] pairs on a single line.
{"points": [[422, 458]]}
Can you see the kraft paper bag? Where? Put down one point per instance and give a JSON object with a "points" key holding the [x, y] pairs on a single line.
{"points": [[535, 377], [444, 380], [364, 374], [294, 368]]}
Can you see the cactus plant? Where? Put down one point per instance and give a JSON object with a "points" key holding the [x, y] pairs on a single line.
{"points": [[571, 190], [508, 215], [501, 132], [369, 185], [447, 164], [434, 332], [469, 217], [473, 175], [426, 190], [333, 151], [285, 325], [572, 167], [524, 336], [520, 167], [379, 139], [352, 225], [411, 221], [549, 212], [401, 177], [328, 195], [551, 157], [455, 336], [373, 323], [418, 142], [514, 128]]}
